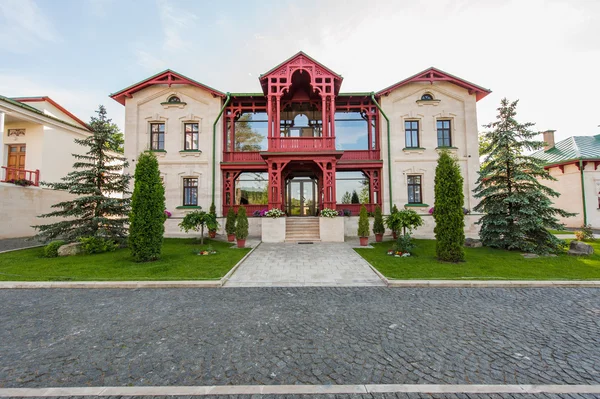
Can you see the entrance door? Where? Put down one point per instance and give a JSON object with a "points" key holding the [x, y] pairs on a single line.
{"points": [[16, 159], [301, 197]]}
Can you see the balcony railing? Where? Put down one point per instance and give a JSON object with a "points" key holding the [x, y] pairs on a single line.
{"points": [[361, 155], [246, 156], [354, 208], [250, 209], [254, 156], [300, 144], [17, 176]]}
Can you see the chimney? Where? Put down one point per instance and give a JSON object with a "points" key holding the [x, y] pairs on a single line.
{"points": [[548, 139]]}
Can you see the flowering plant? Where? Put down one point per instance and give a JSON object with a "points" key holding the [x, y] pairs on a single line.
{"points": [[259, 214], [21, 182], [168, 214], [274, 213], [329, 213]]}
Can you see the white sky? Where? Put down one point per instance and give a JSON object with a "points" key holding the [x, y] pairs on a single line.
{"points": [[546, 53]]}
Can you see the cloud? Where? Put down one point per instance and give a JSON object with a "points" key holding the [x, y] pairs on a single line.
{"points": [[175, 24], [150, 61], [23, 26]]}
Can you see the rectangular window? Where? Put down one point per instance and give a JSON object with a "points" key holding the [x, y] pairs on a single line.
{"points": [[412, 134], [190, 191], [414, 190], [157, 136], [443, 133], [191, 136]]}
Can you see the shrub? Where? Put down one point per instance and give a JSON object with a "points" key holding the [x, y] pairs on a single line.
{"points": [[408, 220], [213, 212], [585, 234], [241, 224], [354, 199], [392, 221], [363, 222], [448, 214], [147, 215], [378, 227], [51, 250], [230, 221], [196, 221], [329, 213], [97, 245], [404, 243]]}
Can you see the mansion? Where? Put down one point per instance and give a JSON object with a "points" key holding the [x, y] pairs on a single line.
{"points": [[301, 144]]}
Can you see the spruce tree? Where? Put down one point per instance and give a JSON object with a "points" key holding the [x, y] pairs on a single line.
{"points": [[448, 215], [101, 204], [517, 207], [147, 210], [355, 199]]}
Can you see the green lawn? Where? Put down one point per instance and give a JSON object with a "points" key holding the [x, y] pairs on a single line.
{"points": [[178, 262], [560, 231], [481, 264]]}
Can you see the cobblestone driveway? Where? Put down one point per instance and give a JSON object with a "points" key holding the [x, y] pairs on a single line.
{"points": [[319, 264], [299, 336]]}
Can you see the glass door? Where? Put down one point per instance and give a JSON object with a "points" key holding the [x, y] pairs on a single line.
{"points": [[301, 197]]}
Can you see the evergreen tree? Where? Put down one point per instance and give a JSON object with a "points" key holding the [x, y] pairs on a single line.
{"points": [[355, 199], [147, 210], [517, 207], [363, 222], [241, 224], [230, 221], [378, 227], [448, 215], [346, 198], [101, 205]]}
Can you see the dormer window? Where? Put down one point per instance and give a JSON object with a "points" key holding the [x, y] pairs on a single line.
{"points": [[174, 100], [426, 97]]}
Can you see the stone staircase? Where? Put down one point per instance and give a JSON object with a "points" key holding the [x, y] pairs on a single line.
{"points": [[302, 229]]}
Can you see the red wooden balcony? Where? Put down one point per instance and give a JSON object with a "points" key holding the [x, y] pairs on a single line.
{"points": [[250, 209], [18, 176], [302, 144], [354, 208], [246, 156], [361, 155]]}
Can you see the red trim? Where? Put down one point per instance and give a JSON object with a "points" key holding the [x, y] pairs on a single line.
{"points": [[562, 165], [167, 77], [292, 58], [51, 101], [436, 75]]}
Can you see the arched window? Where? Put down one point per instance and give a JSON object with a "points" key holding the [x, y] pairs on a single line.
{"points": [[174, 100], [427, 97]]}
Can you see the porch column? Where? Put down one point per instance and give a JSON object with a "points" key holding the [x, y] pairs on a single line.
{"points": [[2, 134], [324, 116], [332, 120], [328, 184], [277, 126], [275, 184]]}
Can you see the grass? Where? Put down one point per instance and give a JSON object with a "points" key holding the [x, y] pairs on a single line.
{"points": [[560, 231], [178, 262], [482, 264]]}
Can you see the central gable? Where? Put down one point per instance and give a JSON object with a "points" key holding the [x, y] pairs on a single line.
{"points": [[278, 79]]}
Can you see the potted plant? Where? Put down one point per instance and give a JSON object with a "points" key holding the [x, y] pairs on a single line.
{"points": [[196, 221], [212, 229], [241, 227], [409, 219], [363, 226], [392, 221], [230, 225], [378, 227]]}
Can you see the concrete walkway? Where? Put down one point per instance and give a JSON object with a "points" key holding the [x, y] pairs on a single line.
{"points": [[296, 265], [12, 244]]}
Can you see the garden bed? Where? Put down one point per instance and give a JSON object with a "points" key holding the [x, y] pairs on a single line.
{"points": [[482, 264], [179, 261]]}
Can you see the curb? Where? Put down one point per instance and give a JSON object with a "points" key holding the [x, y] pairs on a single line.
{"points": [[489, 284], [18, 249], [237, 265]]}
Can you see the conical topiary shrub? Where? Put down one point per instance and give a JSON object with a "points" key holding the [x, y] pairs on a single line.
{"points": [[363, 226], [378, 227], [241, 227], [230, 224]]}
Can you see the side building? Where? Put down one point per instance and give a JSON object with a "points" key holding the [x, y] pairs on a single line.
{"points": [[574, 163], [301, 144]]}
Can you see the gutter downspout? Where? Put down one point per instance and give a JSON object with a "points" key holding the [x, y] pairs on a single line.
{"points": [[214, 150], [581, 166], [389, 156]]}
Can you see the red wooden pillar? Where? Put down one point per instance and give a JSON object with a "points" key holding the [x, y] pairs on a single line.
{"points": [[331, 120], [324, 133], [328, 182], [277, 127], [229, 177], [270, 119], [276, 185]]}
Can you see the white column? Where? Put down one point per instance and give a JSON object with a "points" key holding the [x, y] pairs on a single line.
{"points": [[2, 134]]}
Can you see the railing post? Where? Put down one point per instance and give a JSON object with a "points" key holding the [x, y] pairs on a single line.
{"points": [[37, 178]]}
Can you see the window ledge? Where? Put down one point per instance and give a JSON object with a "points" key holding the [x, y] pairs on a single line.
{"points": [[158, 153], [446, 148], [413, 149], [189, 207], [428, 102], [190, 153], [416, 205], [173, 105]]}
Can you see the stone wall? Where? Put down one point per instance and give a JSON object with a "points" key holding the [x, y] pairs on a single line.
{"points": [[20, 206]]}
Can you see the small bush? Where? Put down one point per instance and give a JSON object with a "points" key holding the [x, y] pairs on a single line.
{"points": [[241, 225], [230, 221], [329, 213], [585, 234], [274, 213], [51, 250], [404, 243], [363, 222], [97, 245], [378, 227]]}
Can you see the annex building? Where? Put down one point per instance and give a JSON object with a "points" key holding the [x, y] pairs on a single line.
{"points": [[301, 143]]}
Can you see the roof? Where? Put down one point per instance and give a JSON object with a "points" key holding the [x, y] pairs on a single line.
{"points": [[168, 77], [435, 75], [54, 103], [572, 149], [300, 53], [17, 102]]}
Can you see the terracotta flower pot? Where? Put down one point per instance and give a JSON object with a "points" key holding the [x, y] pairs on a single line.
{"points": [[378, 237], [364, 241], [230, 237], [241, 243], [212, 233], [394, 235]]}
